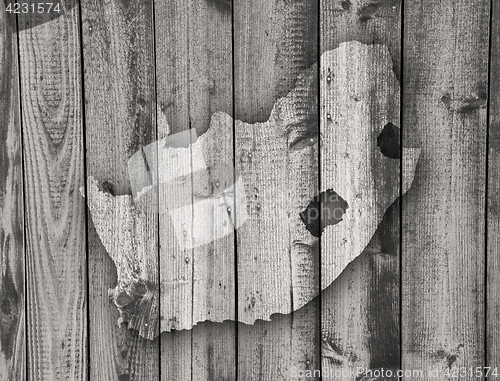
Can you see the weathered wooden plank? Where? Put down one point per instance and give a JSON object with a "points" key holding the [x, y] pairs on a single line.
{"points": [[360, 161], [493, 216], [274, 43], [50, 73], [360, 311], [275, 47], [172, 75], [12, 296], [120, 108], [366, 21], [445, 83], [194, 77], [354, 332], [213, 274], [211, 73]]}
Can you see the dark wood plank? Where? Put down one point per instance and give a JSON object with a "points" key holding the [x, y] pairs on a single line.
{"points": [[360, 310], [445, 89], [493, 216], [194, 79], [278, 266], [12, 296], [53, 151], [120, 107], [365, 332]]}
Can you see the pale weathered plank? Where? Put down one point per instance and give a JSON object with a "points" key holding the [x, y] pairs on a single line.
{"points": [[359, 100], [194, 81], [493, 216], [278, 264], [55, 211], [214, 263], [366, 21], [120, 115], [12, 296], [360, 310], [172, 75], [445, 74], [211, 91]]}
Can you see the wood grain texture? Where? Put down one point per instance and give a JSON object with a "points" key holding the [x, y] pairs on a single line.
{"points": [[275, 47], [173, 97], [366, 21], [194, 77], [364, 331], [445, 75], [214, 280], [156, 68], [275, 41], [493, 202], [120, 95], [360, 311], [53, 153], [12, 295], [359, 94]]}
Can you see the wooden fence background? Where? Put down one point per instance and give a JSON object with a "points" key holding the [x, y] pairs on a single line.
{"points": [[78, 96]]}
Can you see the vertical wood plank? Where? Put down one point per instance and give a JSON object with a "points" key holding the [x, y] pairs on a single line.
{"points": [[12, 296], [445, 75], [55, 211], [355, 333], [211, 91], [213, 348], [359, 94], [172, 69], [493, 216], [360, 311], [275, 41], [275, 49], [194, 77], [366, 21], [120, 107]]}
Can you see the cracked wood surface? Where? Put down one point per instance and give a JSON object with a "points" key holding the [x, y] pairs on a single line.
{"points": [[349, 321], [360, 311]]}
